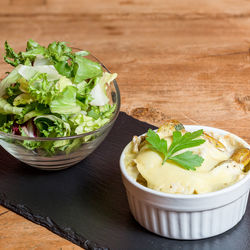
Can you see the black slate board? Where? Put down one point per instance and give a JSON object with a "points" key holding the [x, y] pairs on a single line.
{"points": [[87, 204]]}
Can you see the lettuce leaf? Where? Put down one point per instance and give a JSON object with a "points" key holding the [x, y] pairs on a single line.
{"points": [[12, 77], [31, 145], [82, 88], [6, 123], [13, 90], [84, 123], [83, 94], [63, 83], [98, 93], [65, 102], [24, 85], [29, 72], [105, 111], [6, 108], [32, 45], [22, 99], [11, 57], [41, 89], [32, 114], [59, 51], [33, 49], [28, 130], [82, 53], [26, 58], [64, 68], [85, 69], [30, 111], [40, 60], [51, 126]]}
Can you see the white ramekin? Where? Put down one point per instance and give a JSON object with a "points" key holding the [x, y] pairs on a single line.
{"points": [[188, 217]]}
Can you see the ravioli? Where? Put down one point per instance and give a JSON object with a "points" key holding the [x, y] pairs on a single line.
{"points": [[218, 170]]}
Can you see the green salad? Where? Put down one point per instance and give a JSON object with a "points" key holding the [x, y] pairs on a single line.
{"points": [[53, 92]]}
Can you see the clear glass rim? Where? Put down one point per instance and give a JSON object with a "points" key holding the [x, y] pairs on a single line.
{"points": [[112, 120]]}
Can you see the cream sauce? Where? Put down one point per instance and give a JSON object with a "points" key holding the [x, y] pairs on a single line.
{"points": [[216, 172]]}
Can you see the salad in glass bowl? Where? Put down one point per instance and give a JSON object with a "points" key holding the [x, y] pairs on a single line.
{"points": [[56, 105]]}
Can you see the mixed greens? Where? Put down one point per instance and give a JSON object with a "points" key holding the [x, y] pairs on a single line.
{"points": [[53, 92]]}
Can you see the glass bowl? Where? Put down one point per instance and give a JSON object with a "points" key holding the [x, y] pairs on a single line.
{"points": [[81, 145]]}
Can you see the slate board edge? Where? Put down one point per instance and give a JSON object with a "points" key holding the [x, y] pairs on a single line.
{"points": [[67, 233]]}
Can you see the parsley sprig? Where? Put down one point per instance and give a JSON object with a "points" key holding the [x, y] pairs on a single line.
{"points": [[187, 160]]}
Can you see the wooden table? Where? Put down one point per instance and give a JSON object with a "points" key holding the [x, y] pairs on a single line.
{"points": [[187, 60]]}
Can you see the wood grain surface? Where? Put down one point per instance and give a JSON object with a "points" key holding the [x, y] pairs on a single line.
{"points": [[187, 60]]}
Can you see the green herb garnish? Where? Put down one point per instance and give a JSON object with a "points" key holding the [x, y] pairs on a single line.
{"points": [[187, 160]]}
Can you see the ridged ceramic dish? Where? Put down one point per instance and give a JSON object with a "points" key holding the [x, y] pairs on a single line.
{"points": [[187, 217]]}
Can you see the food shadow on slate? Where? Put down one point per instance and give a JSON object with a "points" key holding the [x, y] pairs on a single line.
{"points": [[87, 203]]}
